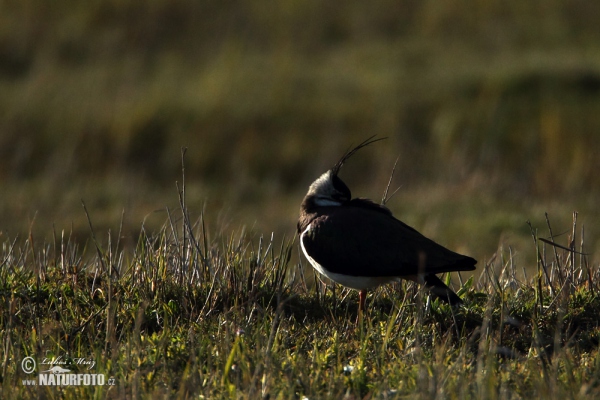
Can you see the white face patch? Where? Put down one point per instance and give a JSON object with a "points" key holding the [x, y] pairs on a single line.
{"points": [[326, 201], [323, 187]]}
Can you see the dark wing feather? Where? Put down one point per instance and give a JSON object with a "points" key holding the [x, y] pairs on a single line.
{"points": [[439, 288], [360, 241], [369, 204]]}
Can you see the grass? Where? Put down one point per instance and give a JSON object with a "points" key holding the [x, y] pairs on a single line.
{"points": [[492, 107], [190, 313]]}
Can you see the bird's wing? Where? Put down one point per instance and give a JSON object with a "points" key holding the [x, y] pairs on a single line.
{"points": [[362, 242]]}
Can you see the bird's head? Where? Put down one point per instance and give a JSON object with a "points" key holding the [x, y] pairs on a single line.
{"points": [[329, 189]]}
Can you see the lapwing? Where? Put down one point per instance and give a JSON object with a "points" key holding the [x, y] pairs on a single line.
{"points": [[361, 245]]}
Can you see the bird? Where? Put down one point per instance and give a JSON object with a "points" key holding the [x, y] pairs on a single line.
{"points": [[360, 244]]}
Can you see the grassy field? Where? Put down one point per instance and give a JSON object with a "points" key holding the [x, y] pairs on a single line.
{"points": [[492, 109], [194, 314]]}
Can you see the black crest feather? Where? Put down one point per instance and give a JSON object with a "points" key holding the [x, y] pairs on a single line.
{"points": [[336, 168]]}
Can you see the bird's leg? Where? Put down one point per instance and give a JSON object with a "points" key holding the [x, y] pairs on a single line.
{"points": [[362, 297]]}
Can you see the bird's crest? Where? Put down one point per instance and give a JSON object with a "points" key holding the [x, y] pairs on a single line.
{"points": [[336, 168]]}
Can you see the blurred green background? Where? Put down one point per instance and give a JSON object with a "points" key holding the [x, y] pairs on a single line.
{"points": [[493, 108]]}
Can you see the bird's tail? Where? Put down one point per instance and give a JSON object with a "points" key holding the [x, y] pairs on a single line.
{"points": [[439, 289]]}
